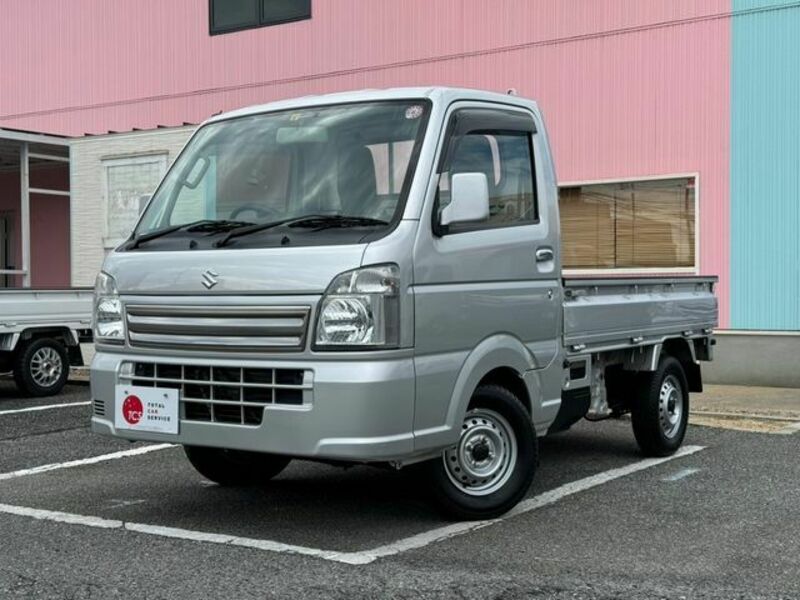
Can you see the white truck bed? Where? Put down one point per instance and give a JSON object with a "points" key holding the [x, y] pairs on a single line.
{"points": [[23, 309]]}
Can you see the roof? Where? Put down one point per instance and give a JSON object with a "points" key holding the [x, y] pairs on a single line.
{"points": [[21, 135], [444, 95]]}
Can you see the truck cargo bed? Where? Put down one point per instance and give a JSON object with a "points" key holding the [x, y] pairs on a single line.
{"points": [[606, 314], [24, 308]]}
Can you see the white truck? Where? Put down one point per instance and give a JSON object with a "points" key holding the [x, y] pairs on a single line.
{"points": [[376, 277], [40, 336]]}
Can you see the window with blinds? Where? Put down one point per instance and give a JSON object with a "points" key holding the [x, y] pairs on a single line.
{"points": [[629, 225]]}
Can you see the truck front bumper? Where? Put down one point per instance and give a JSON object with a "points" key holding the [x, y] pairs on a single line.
{"points": [[354, 410]]}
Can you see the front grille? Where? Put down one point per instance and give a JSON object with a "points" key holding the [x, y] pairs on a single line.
{"points": [[238, 328], [224, 394]]}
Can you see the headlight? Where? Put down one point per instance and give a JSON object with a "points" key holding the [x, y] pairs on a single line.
{"points": [[361, 308], [107, 319]]}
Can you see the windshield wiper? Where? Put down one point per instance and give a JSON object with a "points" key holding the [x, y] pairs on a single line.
{"points": [[320, 221], [325, 221], [257, 227], [200, 225]]}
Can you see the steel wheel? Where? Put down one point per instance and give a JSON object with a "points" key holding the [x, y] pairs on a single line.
{"points": [[660, 410], [670, 406], [484, 458], [46, 366]]}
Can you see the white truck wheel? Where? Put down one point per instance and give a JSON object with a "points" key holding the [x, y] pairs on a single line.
{"points": [[41, 367]]}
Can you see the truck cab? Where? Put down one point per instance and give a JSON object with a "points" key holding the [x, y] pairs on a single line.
{"points": [[375, 277]]}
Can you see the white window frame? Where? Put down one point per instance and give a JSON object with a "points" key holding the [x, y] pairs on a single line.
{"points": [[695, 270], [161, 158]]}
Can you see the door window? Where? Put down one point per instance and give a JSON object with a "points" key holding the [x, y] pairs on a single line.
{"points": [[506, 158]]}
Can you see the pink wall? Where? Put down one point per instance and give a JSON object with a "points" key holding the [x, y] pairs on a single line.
{"points": [[49, 220], [625, 93]]}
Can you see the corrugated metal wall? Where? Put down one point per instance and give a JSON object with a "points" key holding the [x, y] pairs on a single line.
{"points": [[765, 166], [630, 88]]}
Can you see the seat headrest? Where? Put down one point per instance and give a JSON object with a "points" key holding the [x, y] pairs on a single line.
{"points": [[356, 183]]}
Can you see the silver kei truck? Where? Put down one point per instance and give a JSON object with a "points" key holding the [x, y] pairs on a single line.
{"points": [[375, 277]]}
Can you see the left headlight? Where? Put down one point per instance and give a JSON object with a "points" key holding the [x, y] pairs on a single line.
{"points": [[361, 308], [107, 318]]}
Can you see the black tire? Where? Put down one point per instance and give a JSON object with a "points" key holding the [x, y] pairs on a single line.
{"points": [[460, 500], [235, 467], [658, 429], [41, 367]]}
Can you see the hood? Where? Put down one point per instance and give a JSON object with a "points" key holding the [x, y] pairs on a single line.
{"points": [[307, 270]]}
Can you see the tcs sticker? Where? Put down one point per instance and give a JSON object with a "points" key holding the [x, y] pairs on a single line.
{"points": [[146, 409], [132, 409]]}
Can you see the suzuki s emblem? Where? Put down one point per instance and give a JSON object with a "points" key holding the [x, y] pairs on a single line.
{"points": [[210, 279]]}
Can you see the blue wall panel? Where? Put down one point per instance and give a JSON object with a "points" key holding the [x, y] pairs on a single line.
{"points": [[765, 165]]}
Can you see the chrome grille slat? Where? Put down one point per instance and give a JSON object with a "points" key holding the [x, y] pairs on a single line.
{"points": [[218, 342], [236, 328], [278, 326]]}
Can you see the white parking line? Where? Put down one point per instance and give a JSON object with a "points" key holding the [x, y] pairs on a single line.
{"points": [[92, 460], [352, 558], [17, 411]]}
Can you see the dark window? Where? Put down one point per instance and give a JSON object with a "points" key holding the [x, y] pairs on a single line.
{"points": [[233, 15]]}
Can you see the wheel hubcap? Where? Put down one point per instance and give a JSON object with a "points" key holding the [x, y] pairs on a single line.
{"points": [[46, 366], [484, 458], [670, 406]]}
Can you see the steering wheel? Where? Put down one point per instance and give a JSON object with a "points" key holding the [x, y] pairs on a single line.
{"points": [[261, 211]]}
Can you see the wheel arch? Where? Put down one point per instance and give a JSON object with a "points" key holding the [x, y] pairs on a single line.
{"points": [[501, 359], [683, 352]]}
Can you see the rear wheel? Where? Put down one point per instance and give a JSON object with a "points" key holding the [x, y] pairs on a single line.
{"points": [[660, 413], [235, 467], [41, 367], [492, 466]]}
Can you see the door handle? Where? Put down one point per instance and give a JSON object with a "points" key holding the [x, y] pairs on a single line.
{"points": [[544, 254]]}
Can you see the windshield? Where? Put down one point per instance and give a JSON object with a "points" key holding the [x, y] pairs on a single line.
{"points": [[352, 160]]}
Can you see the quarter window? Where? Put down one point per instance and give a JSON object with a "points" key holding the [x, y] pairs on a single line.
{"points": [[505, 158], [629, 225], [233, 15]]}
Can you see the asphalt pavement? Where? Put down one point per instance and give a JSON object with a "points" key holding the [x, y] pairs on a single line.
{"points": [[599, 522]]}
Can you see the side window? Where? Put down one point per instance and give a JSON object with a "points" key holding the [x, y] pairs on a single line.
{"points": [[506, 159]]}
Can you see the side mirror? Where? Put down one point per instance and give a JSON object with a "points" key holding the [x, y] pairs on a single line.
{"points": [[469, 199]]}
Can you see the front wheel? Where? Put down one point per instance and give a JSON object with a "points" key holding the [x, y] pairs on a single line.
{"points": [[492, 466], [660, 412], [235, 467]]}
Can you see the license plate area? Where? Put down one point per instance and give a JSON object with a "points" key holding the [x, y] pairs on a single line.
{"points": [[147, 409]]}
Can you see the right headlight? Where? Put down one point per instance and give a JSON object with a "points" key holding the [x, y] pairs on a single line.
{"points": [[107, 318], [361, 309]]}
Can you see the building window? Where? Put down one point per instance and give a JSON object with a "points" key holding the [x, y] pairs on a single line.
{"points": [[226, 16], [127, 184], [629, 225]]}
